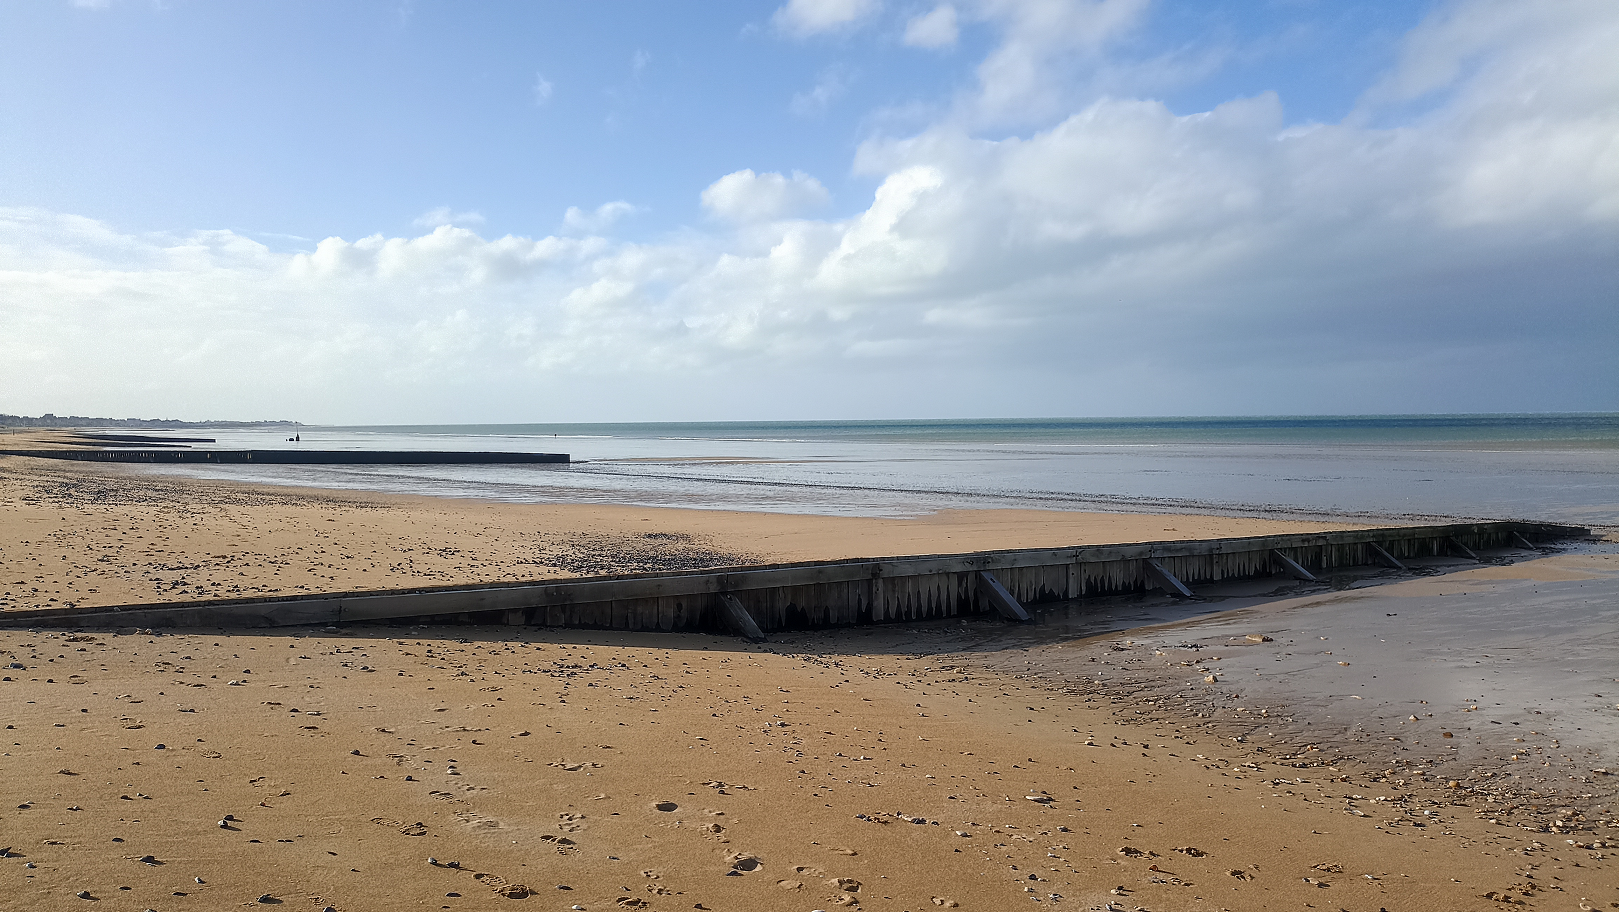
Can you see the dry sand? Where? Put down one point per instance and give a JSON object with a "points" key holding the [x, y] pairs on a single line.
{"points": [[86, 535], [941, 765], [879, 769]]}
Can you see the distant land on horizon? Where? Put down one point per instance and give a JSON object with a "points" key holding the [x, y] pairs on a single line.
{"points": [[49, 420]]}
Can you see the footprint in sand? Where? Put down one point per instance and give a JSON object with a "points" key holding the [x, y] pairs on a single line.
{"points": [[478, 821], [845, 884], [409, 829], [563, 844]]}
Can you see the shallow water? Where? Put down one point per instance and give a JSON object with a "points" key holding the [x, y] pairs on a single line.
{"points": [[1489, 660], [1553, 468]]}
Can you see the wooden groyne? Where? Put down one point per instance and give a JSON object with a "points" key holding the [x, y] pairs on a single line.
{"points": [[295, 457], [756, 600]]}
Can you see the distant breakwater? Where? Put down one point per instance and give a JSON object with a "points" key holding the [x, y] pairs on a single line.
{"points": [[296, 457]]}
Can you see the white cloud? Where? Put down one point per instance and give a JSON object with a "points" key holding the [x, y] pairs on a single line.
{"points": [[802, 18], [1020, 80], [833, 82], [1120, 258], [935, 28], [596, 221], [639, 61], [744, 196], [542, 90], [444, 215]]}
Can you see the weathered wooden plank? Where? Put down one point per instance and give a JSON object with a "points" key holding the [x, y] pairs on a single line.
{"points": [[1000, 598], [1383, 557], [738, 620], [1292, 567], [1518, 541], [1457, 547], [1165, 580]]}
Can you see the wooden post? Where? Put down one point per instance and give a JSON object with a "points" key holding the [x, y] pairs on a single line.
{"points": [[1521, 542], [1461, 549], [1292, 567], [1163, 579], [1383, 557], [1000, 598], [1076, 581], [738, 619]]}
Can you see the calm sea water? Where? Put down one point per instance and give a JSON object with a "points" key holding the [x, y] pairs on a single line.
{"points": [[1550, 467]]}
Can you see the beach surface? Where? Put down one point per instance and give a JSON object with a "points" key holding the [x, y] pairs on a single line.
{"points": [[1252, 751], [85, 535], [924, 767]]}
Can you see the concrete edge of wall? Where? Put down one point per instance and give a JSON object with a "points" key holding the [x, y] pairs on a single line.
{"points": [[824, 593]]}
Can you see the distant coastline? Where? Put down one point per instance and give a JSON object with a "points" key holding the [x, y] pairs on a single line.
{"points": [[49, 420]]}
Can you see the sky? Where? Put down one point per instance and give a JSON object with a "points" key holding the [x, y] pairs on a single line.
{"points": [[409, 212]]}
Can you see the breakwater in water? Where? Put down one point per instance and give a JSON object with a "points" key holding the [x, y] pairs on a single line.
{"points": [[295, 457]]}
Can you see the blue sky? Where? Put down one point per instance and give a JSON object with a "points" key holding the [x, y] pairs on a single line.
{"points": [[378, 212]]}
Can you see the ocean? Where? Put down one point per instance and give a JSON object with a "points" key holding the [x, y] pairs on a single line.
{"points": [[1558, 467]]}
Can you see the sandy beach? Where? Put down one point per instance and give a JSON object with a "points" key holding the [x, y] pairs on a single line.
{"points": [[91, 535], [963, 765]]}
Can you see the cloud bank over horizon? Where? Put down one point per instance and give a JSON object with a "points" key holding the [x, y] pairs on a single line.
{"points": [[1042, 242]]}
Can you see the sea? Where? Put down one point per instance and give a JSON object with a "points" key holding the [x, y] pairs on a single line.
{"points": [[1548, 467]]}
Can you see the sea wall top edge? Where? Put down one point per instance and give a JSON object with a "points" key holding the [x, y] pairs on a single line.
{"points": [[751, 576]]}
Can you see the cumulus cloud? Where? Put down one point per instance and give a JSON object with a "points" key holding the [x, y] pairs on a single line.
{"points": [[803, 18], [1120, 258], [935, 28], [542, 90], [743, 196]]}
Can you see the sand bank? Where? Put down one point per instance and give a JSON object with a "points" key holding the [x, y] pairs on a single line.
{"points": [[90, 535]]}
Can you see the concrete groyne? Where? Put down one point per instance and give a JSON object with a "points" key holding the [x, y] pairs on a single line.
{"points": [[844, 592], [295, 457]]}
